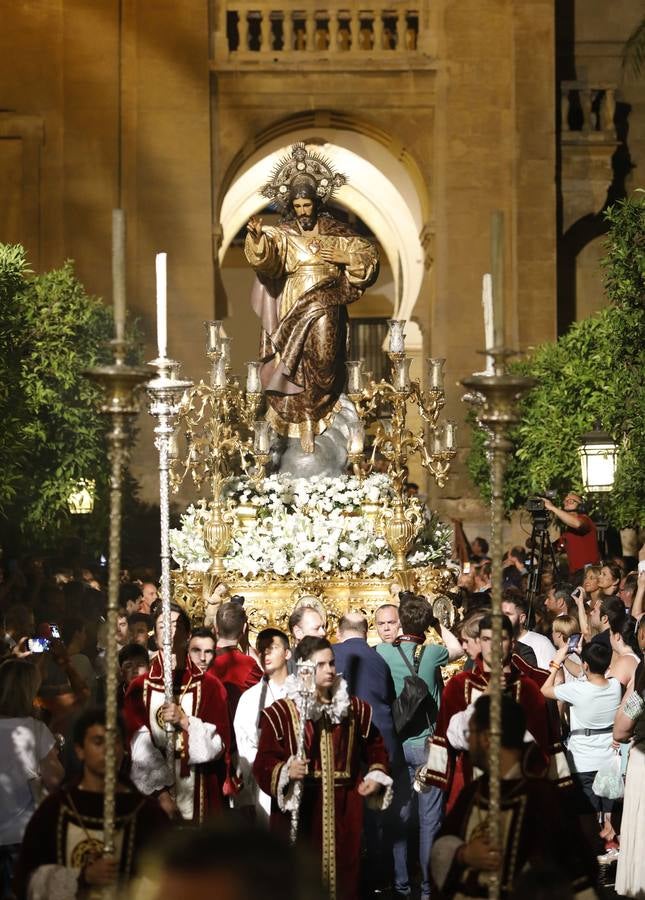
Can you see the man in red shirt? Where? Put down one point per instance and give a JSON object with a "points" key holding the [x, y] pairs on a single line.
{"points": [[236, 670], [579, 537]]}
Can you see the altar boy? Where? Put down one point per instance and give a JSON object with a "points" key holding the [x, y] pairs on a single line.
{"points": [[273, 650]]}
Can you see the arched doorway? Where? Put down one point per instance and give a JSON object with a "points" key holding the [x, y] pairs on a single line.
{"points": [[382, 190]]}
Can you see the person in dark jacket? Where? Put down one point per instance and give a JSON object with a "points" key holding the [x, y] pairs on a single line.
{"points": [[368, 677]]}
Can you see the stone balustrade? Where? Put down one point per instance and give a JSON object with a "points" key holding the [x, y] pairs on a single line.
{"points": [[344, 34], [588, 111]]}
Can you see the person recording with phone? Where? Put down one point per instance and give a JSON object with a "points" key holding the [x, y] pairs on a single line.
{"points": [[565, 631], [578, 540]]}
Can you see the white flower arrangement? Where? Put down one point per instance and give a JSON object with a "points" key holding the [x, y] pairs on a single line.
{"points": [[304, 526]]}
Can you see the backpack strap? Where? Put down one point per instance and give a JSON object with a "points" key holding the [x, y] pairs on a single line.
{"points": [[417, 659]]}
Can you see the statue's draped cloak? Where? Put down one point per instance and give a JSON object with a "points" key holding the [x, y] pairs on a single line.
{"points": [[302, 302]]}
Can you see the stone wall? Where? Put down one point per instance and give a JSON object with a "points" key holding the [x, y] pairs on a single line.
{"points": [[151, 111]]}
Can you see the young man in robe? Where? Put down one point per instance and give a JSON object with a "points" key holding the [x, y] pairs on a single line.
{"points": [[201, 647], [449, 766], [537, 827], [273, 649], [199, 714], [344, 761], [236, 670], [62, 851]]}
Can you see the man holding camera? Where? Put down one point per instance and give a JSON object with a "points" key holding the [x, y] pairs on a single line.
{"points": [[578, 539]]}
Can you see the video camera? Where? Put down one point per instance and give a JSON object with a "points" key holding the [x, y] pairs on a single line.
{"points": [[539, 513]]}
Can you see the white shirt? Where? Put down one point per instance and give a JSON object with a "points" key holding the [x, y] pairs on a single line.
{"points": [[247, 735], [592, 706], [541, 646], [24, 743]]}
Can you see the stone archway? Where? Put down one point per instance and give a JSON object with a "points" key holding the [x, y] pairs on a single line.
{"points": [[384, 191]]}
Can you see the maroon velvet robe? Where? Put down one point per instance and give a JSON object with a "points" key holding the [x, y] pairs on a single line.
{"points": [[538, 829], [67, 830], [331, 813], [450, 769], [202, 695]]}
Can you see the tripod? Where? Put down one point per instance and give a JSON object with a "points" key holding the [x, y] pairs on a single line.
{"points": [[540, 546]]}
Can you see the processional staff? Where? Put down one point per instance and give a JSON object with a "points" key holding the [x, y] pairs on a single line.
{"points": [[165, 393], [495, 394], [306, 675], [119, 382]]}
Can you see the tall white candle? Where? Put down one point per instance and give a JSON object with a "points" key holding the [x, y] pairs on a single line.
{"points": [[487, 303], [118, 272], [162, 324], [497, 268]]}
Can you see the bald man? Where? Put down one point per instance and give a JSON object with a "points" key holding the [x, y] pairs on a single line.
{"points": [[387, 622]]}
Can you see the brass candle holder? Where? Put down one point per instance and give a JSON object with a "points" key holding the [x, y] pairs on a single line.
{"points": [[495, 398], [120, 384], [397, 442], [221, 425]]}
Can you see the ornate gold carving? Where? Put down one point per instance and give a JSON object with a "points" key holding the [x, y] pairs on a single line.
{"points": [[189, 592], [270, 599], [401, 524]]}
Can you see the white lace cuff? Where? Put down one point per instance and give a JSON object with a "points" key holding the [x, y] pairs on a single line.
{"points": [[442, 857], [149, 772], [383, 799], [204, 743], [288, 793], [53, 883], [457, 733]]}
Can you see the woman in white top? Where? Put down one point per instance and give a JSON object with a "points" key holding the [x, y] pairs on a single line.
{"points": [[629, 728], [624, 660], [593, 704], [29, 759]]}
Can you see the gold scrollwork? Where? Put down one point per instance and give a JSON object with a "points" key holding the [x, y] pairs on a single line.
{"points": [[270, 599]]}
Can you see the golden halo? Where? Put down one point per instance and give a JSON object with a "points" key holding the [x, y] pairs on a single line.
{"points": [[302, 164]]}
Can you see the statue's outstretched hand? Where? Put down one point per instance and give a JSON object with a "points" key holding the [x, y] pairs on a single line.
{"points": [[254, 228]]}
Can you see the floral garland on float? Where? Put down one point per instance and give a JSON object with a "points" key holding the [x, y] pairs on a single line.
{"points": [[289, 527], [303, 536]]}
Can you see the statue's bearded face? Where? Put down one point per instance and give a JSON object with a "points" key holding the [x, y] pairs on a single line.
{"points": [[305, 210]]}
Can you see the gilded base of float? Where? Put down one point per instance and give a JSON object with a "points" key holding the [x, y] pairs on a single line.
{"points": [[269, 600]]}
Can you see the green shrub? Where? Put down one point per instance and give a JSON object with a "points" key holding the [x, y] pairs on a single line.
{"points": [[52, 435], [593, 374]]}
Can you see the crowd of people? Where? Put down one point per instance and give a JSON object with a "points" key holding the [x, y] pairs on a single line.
{"points": [[380, 765]]}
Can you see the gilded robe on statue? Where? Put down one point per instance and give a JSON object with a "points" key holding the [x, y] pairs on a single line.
{"points": [[342, 746], [301, 300]]}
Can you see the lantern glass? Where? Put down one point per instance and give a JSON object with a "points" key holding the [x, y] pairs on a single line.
{"points": [[213, 335], [80, 500], [598, 462]]}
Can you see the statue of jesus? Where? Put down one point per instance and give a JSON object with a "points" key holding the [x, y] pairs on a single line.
{"points": [[309, 267]]}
